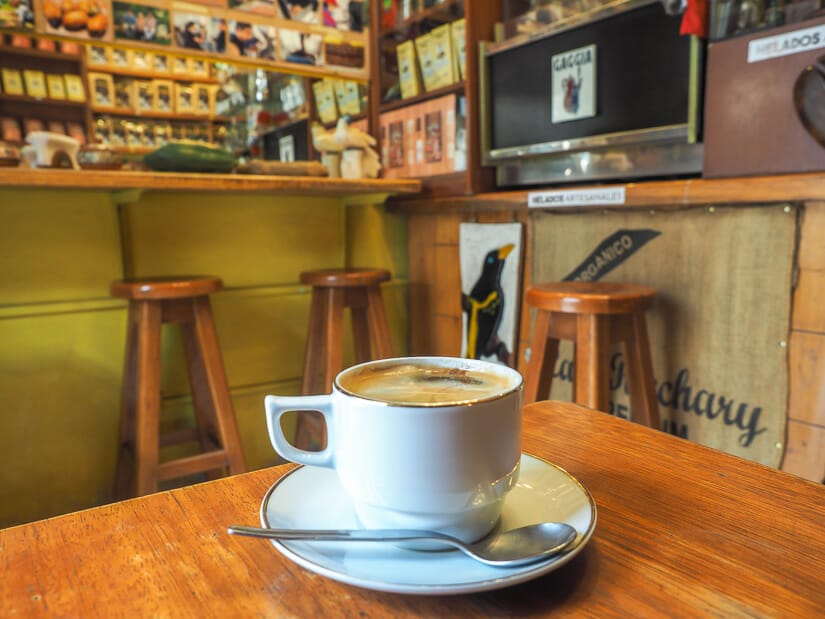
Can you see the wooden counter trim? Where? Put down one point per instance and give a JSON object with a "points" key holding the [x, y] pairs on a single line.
{"points": [[646, 194], [166, 181]]}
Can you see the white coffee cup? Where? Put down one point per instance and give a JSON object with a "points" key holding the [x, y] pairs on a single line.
{"points": [[437, 449]]}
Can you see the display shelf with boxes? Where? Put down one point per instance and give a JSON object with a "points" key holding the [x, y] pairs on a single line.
{"points": [[42, 87], [426, 90]]}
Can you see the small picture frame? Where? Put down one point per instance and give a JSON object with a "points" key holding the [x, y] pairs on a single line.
{"points": [[118, 57], [184, 98], [12, 82], [163, 93], [119, 132], [198, 67], [204, 100], [144, 96], [162, 133], [179, 132], [160, 63], [141, 60], [103, 130], [124, 94], [102, 90], [56, 86], [97, 56], [10, 130], [180, 65], [74, 87], [35, 82]]}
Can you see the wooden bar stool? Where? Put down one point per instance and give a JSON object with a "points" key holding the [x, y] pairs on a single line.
{"points": [[593, 315], [185, 301], [332, 291]]}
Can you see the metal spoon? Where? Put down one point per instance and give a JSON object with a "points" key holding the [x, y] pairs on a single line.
{"points": [[520, 546]]}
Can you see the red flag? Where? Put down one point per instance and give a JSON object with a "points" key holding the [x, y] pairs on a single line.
{"points": [[695, 19]]}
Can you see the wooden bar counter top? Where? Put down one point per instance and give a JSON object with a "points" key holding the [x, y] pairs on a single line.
{"points": [[683, 531]]}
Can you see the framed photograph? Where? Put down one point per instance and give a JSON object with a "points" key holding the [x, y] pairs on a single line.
{"points": [[141, 60], [124, 94], [17, 15], [144, 96], [10, 130], [162, 95], [252, 40], [160, 63], [75, 130], [102, 89], [35, 82], [141, 22], [12, 82], [184, 99], [97, 56], [199, 32], [180, 65], [56, 86], [204, 99], [75, 90], [118, 57], [84, 19]]}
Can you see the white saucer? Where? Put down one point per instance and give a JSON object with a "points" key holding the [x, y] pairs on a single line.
{"points": [[311, 497]]}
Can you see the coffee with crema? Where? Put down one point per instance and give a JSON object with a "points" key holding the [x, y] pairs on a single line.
{"points": [[425, 383]]}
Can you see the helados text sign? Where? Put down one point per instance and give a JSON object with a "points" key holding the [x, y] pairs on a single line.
{"points": [[786, 44], [576, 197]]}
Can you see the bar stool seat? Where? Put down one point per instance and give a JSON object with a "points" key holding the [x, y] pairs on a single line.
{"points": [[333, 290], [184, 301], [593, 315]]}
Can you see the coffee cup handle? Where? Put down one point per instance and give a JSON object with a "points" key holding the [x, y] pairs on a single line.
{"points": [[277, 406]]}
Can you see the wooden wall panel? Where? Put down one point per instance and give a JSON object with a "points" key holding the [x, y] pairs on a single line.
{"points": [[806, 357], [805, 441], [439, 333], [805, 451]]}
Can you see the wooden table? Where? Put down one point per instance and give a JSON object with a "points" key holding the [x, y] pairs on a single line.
{"points": [[682, 531]]}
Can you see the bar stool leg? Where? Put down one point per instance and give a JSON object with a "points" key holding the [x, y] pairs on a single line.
{"points": [[592, 348], [126, 461], [358, 302], [543, 354], [220, 410], [644, 405], [334, 332], [382, 343], [148, 397], [205, 415], [314, 346]]}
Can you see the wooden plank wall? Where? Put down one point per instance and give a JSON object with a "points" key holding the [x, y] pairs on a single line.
{"points": [[805, 443], [435, 317]]}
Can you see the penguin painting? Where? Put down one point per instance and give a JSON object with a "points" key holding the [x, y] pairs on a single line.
{"points": [[484, 307]]}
